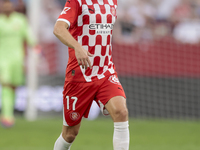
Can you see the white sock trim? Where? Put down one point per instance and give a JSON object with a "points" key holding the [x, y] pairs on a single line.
{"points": [[121, 125], [61, 144]]}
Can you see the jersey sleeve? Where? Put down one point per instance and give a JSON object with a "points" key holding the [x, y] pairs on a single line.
{"points": [[70, 12]]}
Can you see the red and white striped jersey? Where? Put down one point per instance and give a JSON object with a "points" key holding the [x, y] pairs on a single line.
{"points": [[90, 23]]}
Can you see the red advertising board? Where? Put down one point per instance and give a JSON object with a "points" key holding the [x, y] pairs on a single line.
{"points": [[157, 58]]}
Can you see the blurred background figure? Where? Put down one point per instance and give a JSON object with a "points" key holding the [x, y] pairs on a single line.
{"points": [[14, 31]]}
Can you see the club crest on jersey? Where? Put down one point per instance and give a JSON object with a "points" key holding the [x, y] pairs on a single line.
{"points": [[114, 79], [65, 10], [113, 11], [74, 116]]}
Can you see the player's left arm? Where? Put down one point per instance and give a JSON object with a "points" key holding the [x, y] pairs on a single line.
{"points": [[68, 19], [62, 33], [28, 34]]}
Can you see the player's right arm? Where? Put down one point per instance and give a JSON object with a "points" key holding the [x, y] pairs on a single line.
{"points": [[62, 33]]}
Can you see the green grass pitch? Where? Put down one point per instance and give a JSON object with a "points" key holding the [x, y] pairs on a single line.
{"points": [[97, 135]]}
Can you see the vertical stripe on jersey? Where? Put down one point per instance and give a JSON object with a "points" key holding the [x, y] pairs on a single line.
{"points": [[89, 2], [80, 2], [110, 2], [100, 2]]}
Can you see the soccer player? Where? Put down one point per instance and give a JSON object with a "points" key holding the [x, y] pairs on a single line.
{"points": [[86, 26], [13, 32]]}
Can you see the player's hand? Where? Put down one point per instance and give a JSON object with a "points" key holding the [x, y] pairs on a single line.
{"points": [[82, 57]]}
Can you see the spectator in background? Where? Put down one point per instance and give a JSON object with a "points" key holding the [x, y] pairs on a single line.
{"points": [[133, 24], [165, 8], [148, 20], [19, 6], [197, 4], [49, 14], [14, 31], [186, 17], [52, 52]]}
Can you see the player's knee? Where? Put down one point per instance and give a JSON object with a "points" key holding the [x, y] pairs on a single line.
{"points": [[70, 137], [121, 114]]}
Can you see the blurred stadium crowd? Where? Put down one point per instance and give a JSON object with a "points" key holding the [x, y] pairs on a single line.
{"points": [[154, 19], [137, 19]]}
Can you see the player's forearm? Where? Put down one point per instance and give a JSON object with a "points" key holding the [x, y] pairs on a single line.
{"points": [[30, 38], [61, 32]]}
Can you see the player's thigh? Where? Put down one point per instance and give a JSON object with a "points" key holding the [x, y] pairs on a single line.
{"points": [[111, 93], [5, 72], [18, 73], [77, 100]]}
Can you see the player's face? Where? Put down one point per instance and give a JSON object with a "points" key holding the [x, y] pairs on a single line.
{"points": [[7, 8]]}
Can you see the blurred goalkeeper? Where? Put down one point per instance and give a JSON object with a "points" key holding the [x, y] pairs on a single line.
{"points": [[86, 26], [13, 33]]}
